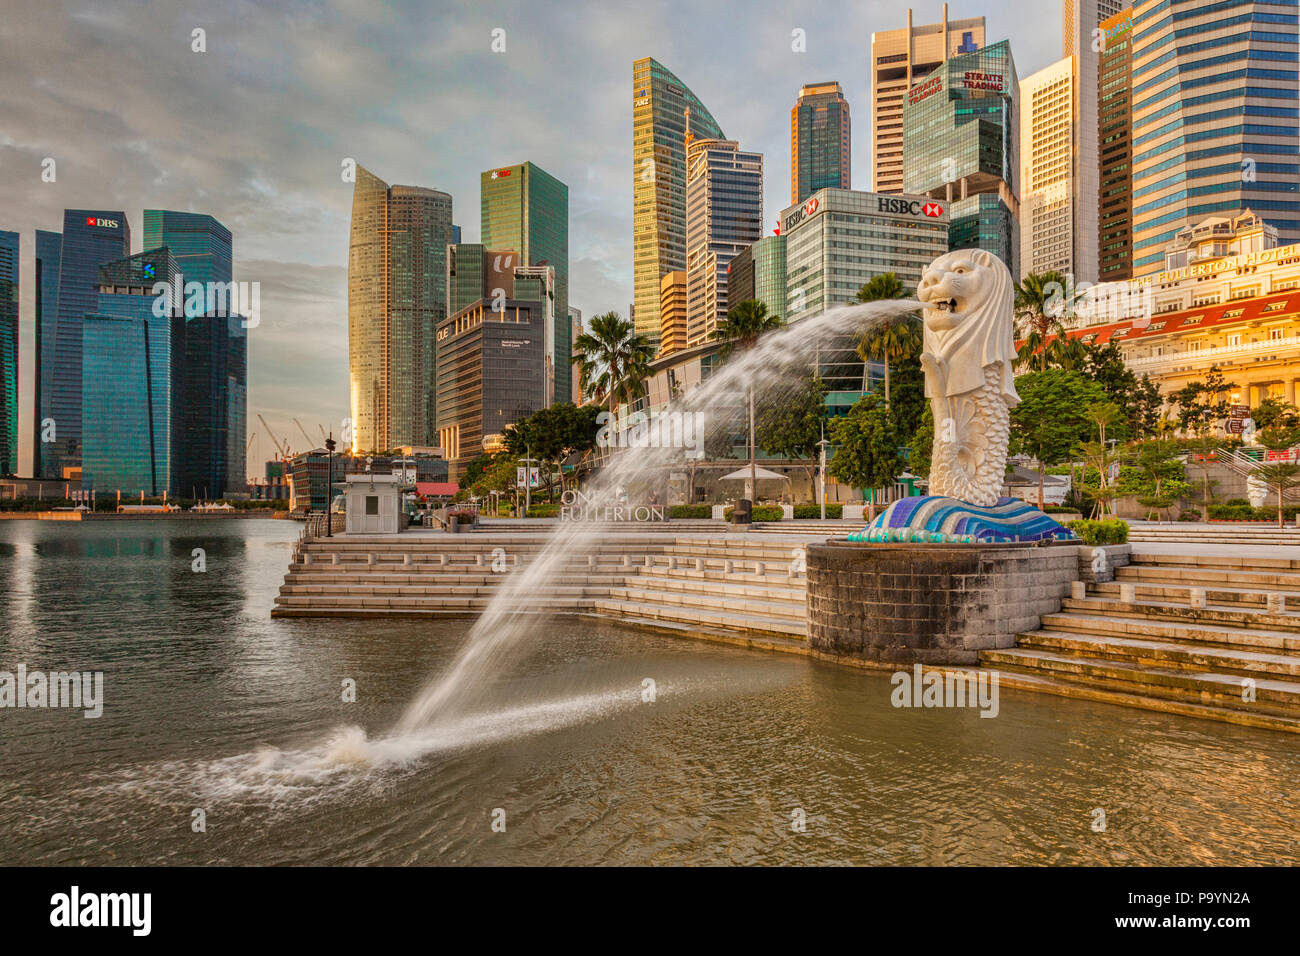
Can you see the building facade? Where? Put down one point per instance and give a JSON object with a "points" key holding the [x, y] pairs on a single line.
{"points": [[672, 312], [396, 299], [820, 141], [133, 358], [838, 239], [659, 104], [91, 238], [526, 209], [1055, 235], [899, 59], [575, 329], [1115, 149], [1214, 119], [758, 272], [9, 281], [724, 214], [961, 145], [491, 373]]}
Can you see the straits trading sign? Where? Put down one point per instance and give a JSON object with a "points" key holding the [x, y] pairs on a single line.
{"points": [[989, 82], [926, 89]]}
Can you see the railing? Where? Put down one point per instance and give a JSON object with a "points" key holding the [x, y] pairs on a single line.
{"points": [[1218, 351], [1244, 462], [314, 527]]}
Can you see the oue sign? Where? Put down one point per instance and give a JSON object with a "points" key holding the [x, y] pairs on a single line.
{"points": [[577, 506]]}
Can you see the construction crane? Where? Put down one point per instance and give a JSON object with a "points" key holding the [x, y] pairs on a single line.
{"points": [[323, 436], [249, 446], [310, 443], [280, 452]]}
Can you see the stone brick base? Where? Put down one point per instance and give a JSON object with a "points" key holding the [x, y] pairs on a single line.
{"points": [[931, 603]]}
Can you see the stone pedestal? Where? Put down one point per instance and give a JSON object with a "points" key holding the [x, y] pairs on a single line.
{"points": [[931, 603]]}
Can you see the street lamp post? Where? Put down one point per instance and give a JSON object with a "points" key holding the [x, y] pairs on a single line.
{"points": [[821, 472], [329, 484]]}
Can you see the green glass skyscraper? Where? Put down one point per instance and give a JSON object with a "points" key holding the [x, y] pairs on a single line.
{"points": [[526, 210], [8, 353]]}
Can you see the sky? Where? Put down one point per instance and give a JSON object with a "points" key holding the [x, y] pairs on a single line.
{"points": [[256, 129]]}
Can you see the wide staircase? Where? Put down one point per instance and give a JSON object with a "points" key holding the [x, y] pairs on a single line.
{"points": [[1202, 636], [1190, 532], [742, 589]]}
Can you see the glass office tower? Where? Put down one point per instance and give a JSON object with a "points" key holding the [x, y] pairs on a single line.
{"points": [[820, 142], [211, 430], [526, 209], [1115, 148], [961, 134], [758, 272], [659, 104], [132, 360], [8, 353], [49, 246], [1214, 119], [91, 238], [396, 297]]}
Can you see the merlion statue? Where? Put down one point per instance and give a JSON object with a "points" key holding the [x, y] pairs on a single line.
{"points": [[967, 356]]}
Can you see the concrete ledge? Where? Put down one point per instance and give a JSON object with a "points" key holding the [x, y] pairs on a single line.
{"points": [[931, 603]]}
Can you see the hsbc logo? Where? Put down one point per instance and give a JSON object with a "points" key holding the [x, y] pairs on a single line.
{"points": [[104, 223], [806, 211], [810, 206], [908, 207], [500, 173]]}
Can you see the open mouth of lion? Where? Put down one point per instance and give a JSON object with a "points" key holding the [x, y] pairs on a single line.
{"points": [[944, 305]]}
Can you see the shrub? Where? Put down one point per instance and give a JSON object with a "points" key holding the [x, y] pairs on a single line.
{"points": [[1060, 510], [1110, 531], [690, 511], [1189, 514], [815, 511], [544, 511], [760, 513], [1237, 501], [1232, 512]]}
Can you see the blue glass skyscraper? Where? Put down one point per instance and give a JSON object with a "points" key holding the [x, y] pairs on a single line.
{"points": [[49, 251], [131, 361], [91, 238], [8, 353]]}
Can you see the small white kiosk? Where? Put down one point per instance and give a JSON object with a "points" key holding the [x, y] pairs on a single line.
{"points": [[374, 503]]}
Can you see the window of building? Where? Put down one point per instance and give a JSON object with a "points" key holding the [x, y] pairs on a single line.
{"points": [[1275, 335], [372, 504]]}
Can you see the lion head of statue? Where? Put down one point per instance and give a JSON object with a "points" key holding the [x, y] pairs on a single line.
{"points": [[967, 303]]}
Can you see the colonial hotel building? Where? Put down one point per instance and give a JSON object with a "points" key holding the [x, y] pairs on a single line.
{"points": [[1229, 296]]}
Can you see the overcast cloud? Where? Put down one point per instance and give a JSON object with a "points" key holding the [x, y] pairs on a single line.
{"points": [[254, 131]]}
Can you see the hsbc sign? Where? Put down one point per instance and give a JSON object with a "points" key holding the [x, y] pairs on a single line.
{"points": [[105, 223], [806, 211], [500, 173], [909, 207]]}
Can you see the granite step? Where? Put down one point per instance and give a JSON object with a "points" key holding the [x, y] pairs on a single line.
{"points": [[709, 617], [1167, 628], [1172, 654], [748, 606]]}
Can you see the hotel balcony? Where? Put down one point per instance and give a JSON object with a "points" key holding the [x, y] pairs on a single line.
{"points": [[1268, 350]]}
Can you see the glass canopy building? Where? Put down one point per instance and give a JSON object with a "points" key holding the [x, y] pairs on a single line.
{"points": [[659, 104], [961, 136]]}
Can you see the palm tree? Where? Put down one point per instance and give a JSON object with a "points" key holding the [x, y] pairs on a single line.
{"points": [[896, 337], [745, 323], [1042, 298], [613, 361]]}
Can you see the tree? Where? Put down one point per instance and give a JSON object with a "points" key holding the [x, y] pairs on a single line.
{"points": [[1138, 398], [1098, 453], [476, 469], [613, 361], [891, 337], [553, 434], [1200, 407], [789, 423], [1274, 411], [1042, 300], [1280, 476], [1160, 471], [1051, 420], [921, 446], [867, 444], [741, 329]]}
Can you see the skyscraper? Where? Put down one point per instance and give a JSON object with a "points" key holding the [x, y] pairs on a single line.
{"points": [[820, 143], [1055, 233], [1080, 35], [672, 312], [659, 104], [526, 209], [212, 390], [900, 59], [91, 238], [1214, 119], [49, 246], [961, 138], [129, 394], [758, 272], [9, 276], [724, 214], [396, 298], [1115, 149]]}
